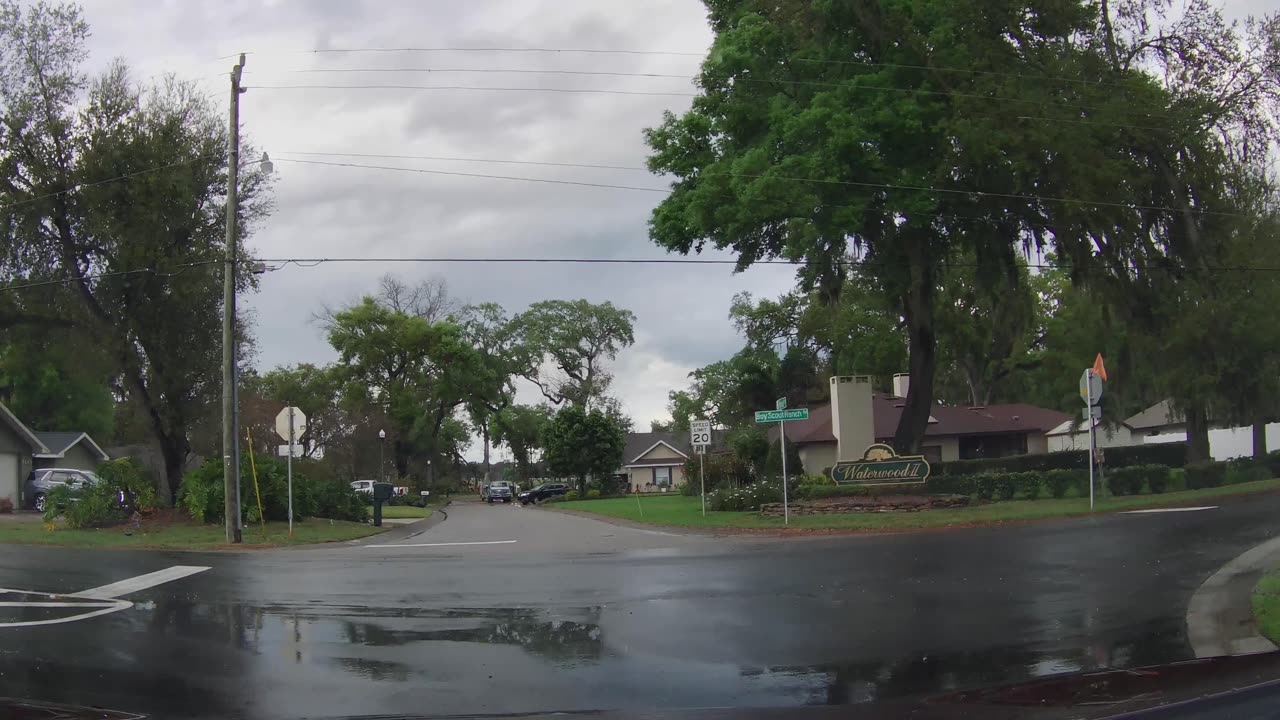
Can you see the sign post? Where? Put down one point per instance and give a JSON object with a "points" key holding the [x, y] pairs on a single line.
{"points": [[700, 438], [290, 423], [781, 415], [1091, 392]]}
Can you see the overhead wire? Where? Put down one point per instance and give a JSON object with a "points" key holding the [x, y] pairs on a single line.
{"points": [[177, 270], [823, 181], [614, 51], [676, 76]]}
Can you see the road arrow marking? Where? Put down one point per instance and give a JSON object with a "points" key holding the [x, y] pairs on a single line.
{"points": [[99, 601]]}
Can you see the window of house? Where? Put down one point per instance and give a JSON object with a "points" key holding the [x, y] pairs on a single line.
{"points": [[662, 476]]}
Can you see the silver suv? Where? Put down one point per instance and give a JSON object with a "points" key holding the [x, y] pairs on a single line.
{"points": [[42, 482]]}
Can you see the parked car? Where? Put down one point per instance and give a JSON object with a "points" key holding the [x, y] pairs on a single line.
{"points": [[498, 490], [41, 482], [362, 486], [542, 492]]}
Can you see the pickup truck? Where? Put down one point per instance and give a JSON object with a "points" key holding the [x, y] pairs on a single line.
{"points": [[499, 490]]}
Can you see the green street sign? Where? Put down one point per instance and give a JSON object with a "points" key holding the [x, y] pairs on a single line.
{"points": [[766, 416], [781, 404], [880, 465]]}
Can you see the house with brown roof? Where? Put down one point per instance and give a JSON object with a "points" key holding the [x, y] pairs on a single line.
{"points": [[654, 461], [954, 432]]}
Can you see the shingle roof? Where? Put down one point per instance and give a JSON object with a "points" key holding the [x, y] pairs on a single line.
{"points": [[60, 442], [637, 443], [1162, 413], [945, 420]]}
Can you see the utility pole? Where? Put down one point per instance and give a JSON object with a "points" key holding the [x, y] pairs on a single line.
{"points": [[230, 446]]}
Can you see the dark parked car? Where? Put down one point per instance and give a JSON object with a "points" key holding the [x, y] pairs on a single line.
{"points": [[542, 492], [42, 482], [499, 491]]}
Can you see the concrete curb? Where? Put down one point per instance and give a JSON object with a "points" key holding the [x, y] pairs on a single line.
{"points": [[403, 532], [1220, 614]]}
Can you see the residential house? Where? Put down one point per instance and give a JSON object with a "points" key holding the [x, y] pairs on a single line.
{"points": [[18, 448], [863, 417], [69, 450], [1074, 435], [1161, 423], [654, 461]]}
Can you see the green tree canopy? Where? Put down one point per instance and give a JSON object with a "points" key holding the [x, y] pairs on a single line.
{"points": [[582, 444]]}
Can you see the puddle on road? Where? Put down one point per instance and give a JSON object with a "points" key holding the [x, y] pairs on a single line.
{"points": [[316, 660]]}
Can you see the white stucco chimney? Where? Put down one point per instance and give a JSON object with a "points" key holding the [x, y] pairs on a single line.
{"points": [[901, 382], [852, 420]]}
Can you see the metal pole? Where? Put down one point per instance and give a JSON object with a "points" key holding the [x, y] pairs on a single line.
{"points": [[230, 470], [702, 478], [382, 460], [290, 471], [1089, 399], [786, 511]]}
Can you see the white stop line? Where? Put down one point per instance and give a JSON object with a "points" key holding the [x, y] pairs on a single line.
{"points": [[95, 601], [1153, 511]]}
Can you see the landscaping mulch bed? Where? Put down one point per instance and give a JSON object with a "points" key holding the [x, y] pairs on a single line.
{"points": [[868, 504]]}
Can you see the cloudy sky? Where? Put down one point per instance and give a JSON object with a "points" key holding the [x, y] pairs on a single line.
{"points": [[325, 211]]}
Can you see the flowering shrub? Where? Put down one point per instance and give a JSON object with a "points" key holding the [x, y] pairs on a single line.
{"points": [[749, 497]]}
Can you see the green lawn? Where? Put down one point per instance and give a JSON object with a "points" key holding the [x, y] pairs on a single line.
{"points": [[404, 511], [1266, 605], [680, 511], [182, 535]]}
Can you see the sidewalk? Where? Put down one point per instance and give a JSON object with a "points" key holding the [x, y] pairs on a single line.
{"points": [[1220, 614]]}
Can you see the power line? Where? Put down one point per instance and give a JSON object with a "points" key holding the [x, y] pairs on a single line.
{"points": [[179, 269], [583, 91], [821, 181], [81, 186], [595, 51], [546, 163], [477, 175], [677, 76], [665, 93], [316, 261]]}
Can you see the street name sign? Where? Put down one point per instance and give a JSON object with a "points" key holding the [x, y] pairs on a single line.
{"points": [[765, 416]]}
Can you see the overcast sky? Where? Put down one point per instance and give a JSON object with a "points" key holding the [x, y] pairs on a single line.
{"points": [[681, 311]]}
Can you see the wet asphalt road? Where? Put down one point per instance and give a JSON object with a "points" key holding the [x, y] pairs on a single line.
{"points": [[578, 614]]}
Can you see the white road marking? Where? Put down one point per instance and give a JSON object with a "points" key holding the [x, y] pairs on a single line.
{"points": [[444, 544], [1165, 510], [141, 582], [102, 600]]}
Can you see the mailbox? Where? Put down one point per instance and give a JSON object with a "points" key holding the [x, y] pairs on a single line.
{"points": [[382, 492]]}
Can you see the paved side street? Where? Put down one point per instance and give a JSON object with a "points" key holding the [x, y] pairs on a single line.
{"points": [[510, 609]]}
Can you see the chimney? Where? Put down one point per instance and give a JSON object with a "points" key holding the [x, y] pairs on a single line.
{"points": [[852, 418], [901, 382]]}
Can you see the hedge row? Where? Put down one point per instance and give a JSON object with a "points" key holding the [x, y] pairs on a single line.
{"points": [[1172, 455]]}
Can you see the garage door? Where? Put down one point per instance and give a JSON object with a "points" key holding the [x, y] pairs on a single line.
{"points": [[9, 477]]}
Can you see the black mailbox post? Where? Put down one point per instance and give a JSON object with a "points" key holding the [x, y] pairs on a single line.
{"points": [[381, 493]]}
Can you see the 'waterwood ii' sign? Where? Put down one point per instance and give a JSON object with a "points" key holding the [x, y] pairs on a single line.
{"points": [[880, 465]]}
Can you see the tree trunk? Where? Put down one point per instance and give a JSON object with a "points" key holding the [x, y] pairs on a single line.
{"points": [[174, 452], [582, 487], [922, 360], [1259, 437], [1197, 433]]}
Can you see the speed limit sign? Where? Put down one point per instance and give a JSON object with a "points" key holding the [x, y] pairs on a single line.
{"points": [[699, 432]]}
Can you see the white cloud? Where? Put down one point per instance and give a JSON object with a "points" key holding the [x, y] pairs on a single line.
{"points": [[335, 211]]}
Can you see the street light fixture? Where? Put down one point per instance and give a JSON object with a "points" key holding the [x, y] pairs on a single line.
{"points": [[382, 455]]}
